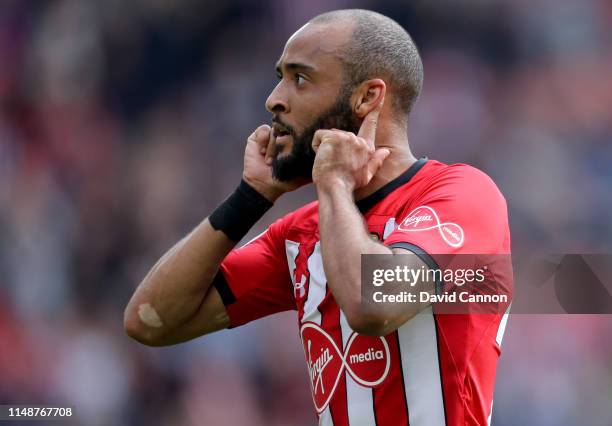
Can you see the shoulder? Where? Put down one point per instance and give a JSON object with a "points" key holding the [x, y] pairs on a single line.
{"points": [[460, 180], [458, 206], [305, 217]]}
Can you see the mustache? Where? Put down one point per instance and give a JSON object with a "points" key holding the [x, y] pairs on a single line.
{"points": [[284, 126]]}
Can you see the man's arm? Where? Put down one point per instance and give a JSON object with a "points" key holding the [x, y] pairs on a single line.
{"points": [[176, 301], [344, 238], [344, 162]]}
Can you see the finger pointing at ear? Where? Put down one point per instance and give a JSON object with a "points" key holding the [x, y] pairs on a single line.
{"points": [[367, 130]]}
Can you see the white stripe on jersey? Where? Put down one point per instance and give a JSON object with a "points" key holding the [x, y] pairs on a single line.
{"points": [[325, 418], [359, 398], [421, 369], [502, 326], [317, 286]]}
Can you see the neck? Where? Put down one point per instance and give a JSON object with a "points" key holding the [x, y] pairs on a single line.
{"points": [[395, 139]]}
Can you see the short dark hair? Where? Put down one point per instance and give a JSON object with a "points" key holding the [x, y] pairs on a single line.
{"points": [[379, 47]]}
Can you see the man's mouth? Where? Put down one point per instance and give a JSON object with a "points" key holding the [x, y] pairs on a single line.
{"points": [[281, 134], [283, 138]]}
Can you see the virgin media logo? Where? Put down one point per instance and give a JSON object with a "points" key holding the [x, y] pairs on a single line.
{"points": [[425, 218], [366, 359]]}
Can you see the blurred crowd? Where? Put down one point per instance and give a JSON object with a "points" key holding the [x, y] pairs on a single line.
{"points": [[123, 124]]}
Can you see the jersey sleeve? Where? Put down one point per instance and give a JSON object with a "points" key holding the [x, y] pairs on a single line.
{"points": [[254, 280], [462, 212]]}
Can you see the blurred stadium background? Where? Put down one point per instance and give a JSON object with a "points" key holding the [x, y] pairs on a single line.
{"points": [[122, 124]]}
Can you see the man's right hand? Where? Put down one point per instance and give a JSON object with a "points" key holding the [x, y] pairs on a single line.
{"points": [[258, 156]]}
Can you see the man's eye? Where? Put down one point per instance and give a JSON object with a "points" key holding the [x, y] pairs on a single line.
{"points": [[299, 79]]}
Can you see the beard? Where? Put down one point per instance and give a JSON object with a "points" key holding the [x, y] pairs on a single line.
{"points": [[299, 162]]}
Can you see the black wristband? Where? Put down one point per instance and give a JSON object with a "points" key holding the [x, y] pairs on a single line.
{"points": [[239, 212]]}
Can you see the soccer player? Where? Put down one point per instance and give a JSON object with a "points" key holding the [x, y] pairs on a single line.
{"points": [[347, 83]]}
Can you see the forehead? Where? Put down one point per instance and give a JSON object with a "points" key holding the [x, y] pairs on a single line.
{"points": [[317, 45]]}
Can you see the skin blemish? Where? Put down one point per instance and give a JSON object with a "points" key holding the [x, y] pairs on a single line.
{"points": [[149, 316]]}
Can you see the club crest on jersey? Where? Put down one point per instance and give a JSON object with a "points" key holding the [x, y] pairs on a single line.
{"points": [[366, 359], [424, 218], [300, 253]]}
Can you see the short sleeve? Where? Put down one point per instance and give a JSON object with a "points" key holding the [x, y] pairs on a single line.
{"points": [[254, 280], [462, 212]]}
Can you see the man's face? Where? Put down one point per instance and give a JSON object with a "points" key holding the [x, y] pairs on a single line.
{"points": [[299, 161], [310, 95]]}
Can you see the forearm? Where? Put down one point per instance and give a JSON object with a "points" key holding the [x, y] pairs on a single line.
{"points": [[174, 300], [344, 238], [173, 290]]}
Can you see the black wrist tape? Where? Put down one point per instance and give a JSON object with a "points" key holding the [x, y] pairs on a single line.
{"points": [[239, 212]]}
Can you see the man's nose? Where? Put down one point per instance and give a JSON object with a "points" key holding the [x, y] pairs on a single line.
{"points": [[276, 102]]}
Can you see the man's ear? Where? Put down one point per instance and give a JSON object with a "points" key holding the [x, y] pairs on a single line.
{"points": [[368, 95]]}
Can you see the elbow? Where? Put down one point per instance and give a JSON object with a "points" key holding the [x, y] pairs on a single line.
{"points": [[367, 323], [377, 323], [140, 332], [135, 330]]}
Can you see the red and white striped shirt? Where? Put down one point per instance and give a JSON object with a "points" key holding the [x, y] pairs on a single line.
{"points": [[433, 370]]}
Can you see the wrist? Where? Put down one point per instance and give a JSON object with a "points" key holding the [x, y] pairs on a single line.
{"points": [[239, 212], [270, 192], [334, 185]]}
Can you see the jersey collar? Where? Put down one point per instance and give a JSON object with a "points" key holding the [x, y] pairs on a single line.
{"points": [[371, 200]]}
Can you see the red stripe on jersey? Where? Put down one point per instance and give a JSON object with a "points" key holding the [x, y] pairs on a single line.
{"points": [[390, 407], [330, 320], [479, 378]]}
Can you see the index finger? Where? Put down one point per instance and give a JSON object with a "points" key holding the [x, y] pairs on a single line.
{"points": [[261, 136], [367, 130], [271, 148]]}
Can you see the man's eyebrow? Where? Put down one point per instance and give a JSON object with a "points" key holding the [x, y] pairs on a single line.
{"points": [[295, 66]]}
